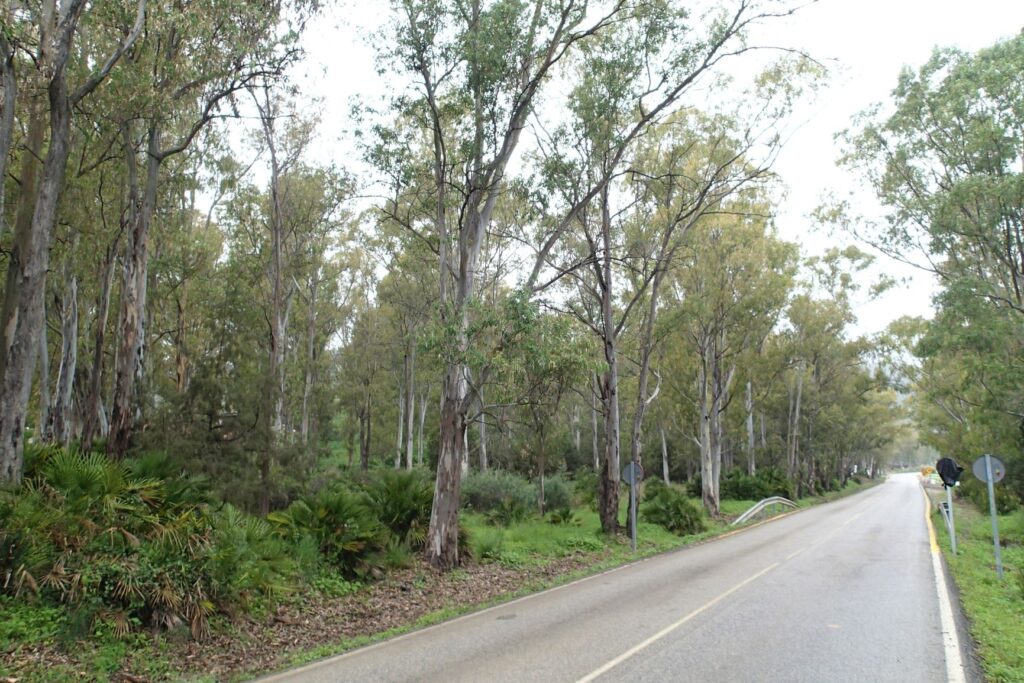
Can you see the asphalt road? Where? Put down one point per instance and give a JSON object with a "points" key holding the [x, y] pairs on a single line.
{"points": [[839, 592]]}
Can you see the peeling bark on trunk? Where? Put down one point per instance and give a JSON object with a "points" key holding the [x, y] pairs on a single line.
{"points": [[62, 406], [608, 488], [22, 316], [93, 403], [443, 535], [134, 282], [44, 427], [8, 101]]}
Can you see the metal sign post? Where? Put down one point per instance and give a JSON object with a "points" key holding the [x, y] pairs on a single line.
{"points": [[991, 470], [952, 526], [632, 473]]}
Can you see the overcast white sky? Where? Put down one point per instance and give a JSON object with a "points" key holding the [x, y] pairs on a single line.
{"points": [[865, 41]]}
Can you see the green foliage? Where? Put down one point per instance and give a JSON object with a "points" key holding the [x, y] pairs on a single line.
{"points": [[768, 482], [669, 507], [557, 493], [586, 488], [119, 553], [401, 501], [564, 516], [495, 489], [508, 511], [333, 585], [341, 525], [976, 491], [487, 544]]}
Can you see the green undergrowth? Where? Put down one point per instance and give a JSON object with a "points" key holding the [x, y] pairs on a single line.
{"points": [[994, 607]]}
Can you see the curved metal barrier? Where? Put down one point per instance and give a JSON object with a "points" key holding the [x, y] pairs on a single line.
{"points": [[763, 505]]}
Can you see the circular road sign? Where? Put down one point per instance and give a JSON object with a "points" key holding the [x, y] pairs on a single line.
{"points": [[632, 472], [998, 469]]}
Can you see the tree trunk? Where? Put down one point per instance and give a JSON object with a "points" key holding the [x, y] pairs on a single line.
{"points": [[8, 101], [62, 409], [664, 456], [134, 282], [21, 319], [608, 489], [401, 422], [410, 407], [181, 363], [44, 428], [709, 491], [482, 432], [749, 405], [793, 433], [593, 425], [423, 418], [443, 533], [307, 384], [93, 404]]}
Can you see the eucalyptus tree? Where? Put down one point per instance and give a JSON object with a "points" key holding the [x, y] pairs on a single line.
{"points": [[733, 279], [194, 60], [56, 27]]}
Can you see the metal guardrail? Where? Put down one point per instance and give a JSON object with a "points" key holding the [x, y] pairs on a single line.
{"points": [[763, 505]]}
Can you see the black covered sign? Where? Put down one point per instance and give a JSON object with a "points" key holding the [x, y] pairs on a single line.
{"points": [[949, 471]]}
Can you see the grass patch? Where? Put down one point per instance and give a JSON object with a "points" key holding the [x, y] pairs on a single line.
{"points": [[995, 608]]}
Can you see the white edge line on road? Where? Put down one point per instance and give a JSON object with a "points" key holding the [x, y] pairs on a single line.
{"points": [[672, 627], [950, 640], [333, 659]]}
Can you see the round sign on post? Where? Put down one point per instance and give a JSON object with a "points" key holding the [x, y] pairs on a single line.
{"points": [[981, 472], [632, 473]]}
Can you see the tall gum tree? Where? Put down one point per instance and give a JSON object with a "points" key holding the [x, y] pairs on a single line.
{"points": [[193, 62], [22, 315]]}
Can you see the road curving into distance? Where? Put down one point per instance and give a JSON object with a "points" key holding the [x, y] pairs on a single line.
{"points": [[845, 591]]}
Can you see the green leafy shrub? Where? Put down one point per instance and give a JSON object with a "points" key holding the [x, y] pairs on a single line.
{"points": [[585, 486], [401, 501], [341, 525], [585, 544], [768, 482], [488, 491], [976, 491], [671, 509], [487, 544], [564, 516], [557, 493], [508, 512], [119, 553]]}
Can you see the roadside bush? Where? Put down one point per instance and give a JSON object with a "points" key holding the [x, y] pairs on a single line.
{"points": [[738, 485], [339, 523], [973, 489], [487, 544], [557, 493], [670, 508], [564, 516], [586, 488], [119, 553], [488, 491], [401, 501], [509, 511]]}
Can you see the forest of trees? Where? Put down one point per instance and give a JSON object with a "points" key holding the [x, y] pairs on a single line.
{"points": [[555, 252]]}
